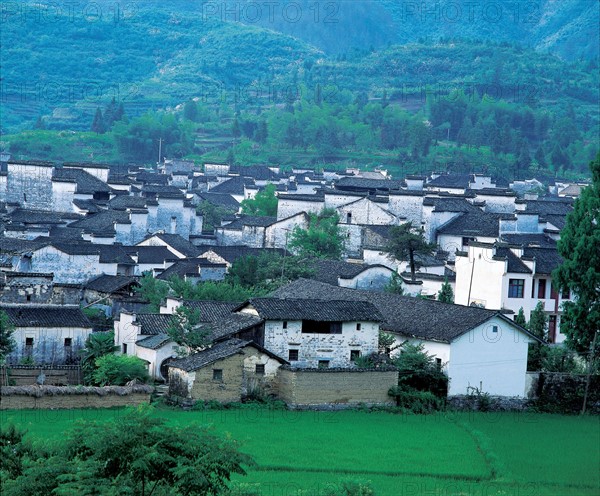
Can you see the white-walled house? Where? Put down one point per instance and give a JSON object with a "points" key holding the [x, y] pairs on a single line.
{"points": [[478, 348], [312, 334], [503, 277]]}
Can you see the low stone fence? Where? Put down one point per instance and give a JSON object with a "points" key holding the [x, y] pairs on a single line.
{"points": [[68, 397], [487, 403], [54, 375], [335, 388]]}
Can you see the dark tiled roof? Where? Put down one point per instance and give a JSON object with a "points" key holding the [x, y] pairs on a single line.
{"points": [[218, 351], [416, 317], [451, 181], [24, 216], [160, 191], [115, 254], [515, 265], [152, 254], [232, 324], [109, 284], [473, 224], [549, 206], [46, 316], [449, 204], [152, 178], [86, 183], [532, 240], [221, 200], [301, 197], [251, 220], [558, 221], [15, 245], [153, 324], [188, 267], [330, 270], [233, 253], [258, 172], [89, 206], [363, 184], [121, 202], [326, 310], [546, 259], [153, 342], [179, 244], [233, 186], [211, 311], [102, 222]]}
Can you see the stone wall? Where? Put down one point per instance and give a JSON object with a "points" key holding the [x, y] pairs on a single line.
{"points": [[226, 390], [46, 397], [57, 375], [337, 387]]}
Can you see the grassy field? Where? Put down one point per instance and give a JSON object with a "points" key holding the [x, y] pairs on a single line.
{"points": [[405, 455]]}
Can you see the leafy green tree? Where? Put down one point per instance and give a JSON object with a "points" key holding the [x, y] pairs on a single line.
{"points": [[395, 284], [97, 345], [445, 293], [268, 271], [190, 111], [520, 318], [212, 215], [579, 245], [7, 343], [322, 239], [135, 454], [186, 331], [152, 290], [419, 370], [263, 204], [118, 370], [562, 359], [538, 323], [405, 243], [98, 122]]}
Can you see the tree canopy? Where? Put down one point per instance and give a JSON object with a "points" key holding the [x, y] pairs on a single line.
{"points": [[405, 243], [7, 343], [263, 204], [322, 239], [579, 245]]}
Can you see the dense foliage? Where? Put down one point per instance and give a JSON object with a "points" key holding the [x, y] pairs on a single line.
{"points": [[263, 204], [97, 345], [137, 453], [118, 370], [406, 243], [7, 343], [322, 238]]}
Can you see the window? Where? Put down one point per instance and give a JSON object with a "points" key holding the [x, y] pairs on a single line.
{"points": [[566, 294], [68, 342], [29, 342], [438, 363], [354, 354], [217, 374], [293, 355], [349, 218], [316, 327], [285, 324], [28, 297], [124, 348], [516, 288], [466, 241], [541, 289], [358, 326], [323, 364], [260, 369], [552, 328], [495, 329]]}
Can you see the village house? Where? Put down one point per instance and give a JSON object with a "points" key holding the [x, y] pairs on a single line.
{"points": [[47, 334]]}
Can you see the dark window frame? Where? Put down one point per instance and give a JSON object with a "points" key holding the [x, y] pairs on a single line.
{"points": [[516, 288], [217, 375], [541, 292], [292, 354], [354, 354], [320, 327], [323, 364], [259, 369]]}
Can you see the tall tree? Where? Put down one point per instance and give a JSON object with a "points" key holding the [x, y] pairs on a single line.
{"points": [[97, 345], [405, 243], [185, 329], [264, 204], [322, 239], [445, 293], [538, 324], [579, 245], [7, 343], [520, 318], [98, 122]]}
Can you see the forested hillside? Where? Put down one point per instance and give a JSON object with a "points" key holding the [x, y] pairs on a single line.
{"points": [[109, 84]]}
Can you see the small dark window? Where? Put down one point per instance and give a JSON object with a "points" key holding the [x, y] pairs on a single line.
{"points": [[28, 341], [260, 369], [335, 328], [566, 294], [495, 329], [124, 348], [541, 289], [323, 364], [516, 288], [293, 355], [438, 363], [28, 297], [354, 354], [358, 326], [285, 324], [349, 218], [217, 374], [68, 342]]}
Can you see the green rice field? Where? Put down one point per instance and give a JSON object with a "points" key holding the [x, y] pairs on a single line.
{"points": [[449, 454]]}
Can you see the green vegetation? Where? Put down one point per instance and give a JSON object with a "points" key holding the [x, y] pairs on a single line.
{"points": [[186, 332], [97, 345], [7, 343], [445, 294], [263, 204], [496, 449], [322, 238], [580, 272], [118, 370], [406, 244]]}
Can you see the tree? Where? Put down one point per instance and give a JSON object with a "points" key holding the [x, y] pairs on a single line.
{"points": [[445, 293], [538, 322], [405, 243], [152, 290], [419, 370], [98, 122], [185, 329], [520, 318], [579, 245], [322, 239], [118, 370], [7, 343], [395, 284], [190, 111], [97, 345], [264, 204], [136, 453]]}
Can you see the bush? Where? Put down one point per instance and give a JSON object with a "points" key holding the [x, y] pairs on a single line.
{"points": [[416, 401], [117, 370], [418, 370]]}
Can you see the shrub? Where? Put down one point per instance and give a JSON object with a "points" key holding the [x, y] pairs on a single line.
{"points": [[418, 370], [117, 370], [416, 401]]}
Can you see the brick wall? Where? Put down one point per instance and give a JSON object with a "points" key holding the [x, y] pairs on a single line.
{"points": [[225, 391], [303, 388]]}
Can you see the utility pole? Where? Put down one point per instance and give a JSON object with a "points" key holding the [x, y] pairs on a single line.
{"points": [[589, 372], [160, 140]]}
